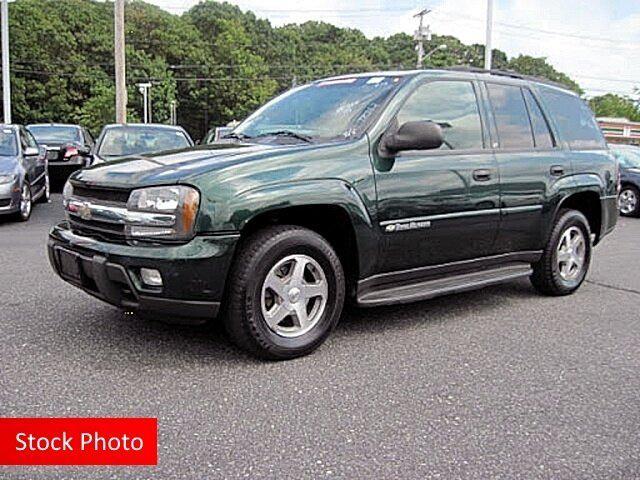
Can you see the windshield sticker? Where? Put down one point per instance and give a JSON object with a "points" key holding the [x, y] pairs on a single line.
{"points": [[339, 81]]}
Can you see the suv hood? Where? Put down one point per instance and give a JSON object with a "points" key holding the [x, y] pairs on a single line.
{"points": [[177, 166]]}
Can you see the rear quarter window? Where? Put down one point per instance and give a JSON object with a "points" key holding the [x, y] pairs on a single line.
{"points": [[574, 119]]}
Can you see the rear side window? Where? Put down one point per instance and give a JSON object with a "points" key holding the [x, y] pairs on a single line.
{"points": [[574, 119], [452, 105], [541, 133], [511, 116]]}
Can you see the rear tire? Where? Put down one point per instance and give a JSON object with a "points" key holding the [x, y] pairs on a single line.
{"points": [[286, 292], [567, 256]]}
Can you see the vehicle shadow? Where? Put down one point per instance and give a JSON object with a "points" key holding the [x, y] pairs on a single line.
{"points": [[157, 343]]}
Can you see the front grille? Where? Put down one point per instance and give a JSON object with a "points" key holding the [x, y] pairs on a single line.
{"points": [[104, 194], [104, 231]]}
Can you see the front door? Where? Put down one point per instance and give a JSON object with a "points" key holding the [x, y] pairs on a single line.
{"points": [[439, 206]]}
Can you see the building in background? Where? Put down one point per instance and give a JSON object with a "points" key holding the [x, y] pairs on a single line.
{"points": [[620, 130]]}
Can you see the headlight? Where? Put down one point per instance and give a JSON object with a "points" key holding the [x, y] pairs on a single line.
{"points": [[179, 201], [67, 192], [7, 178]]}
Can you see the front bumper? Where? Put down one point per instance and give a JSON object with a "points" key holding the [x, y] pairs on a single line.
{"points": [[194, 274], [9, 198]]}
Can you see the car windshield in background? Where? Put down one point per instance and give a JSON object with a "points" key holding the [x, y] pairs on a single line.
{"points": [[124, 141], [8, 144], [628, 157], [325, 110], [55, 134]]}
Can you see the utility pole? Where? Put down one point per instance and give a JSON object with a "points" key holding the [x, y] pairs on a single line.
{"points": [[173, 112], [488, 49], [6, 79], [423, 33], [121, 86]]}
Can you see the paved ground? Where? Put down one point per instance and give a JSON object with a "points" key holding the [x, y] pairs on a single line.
{"points": [[499, 383]]}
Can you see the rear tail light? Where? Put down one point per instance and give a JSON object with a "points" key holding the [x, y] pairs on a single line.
{"points": [[70, 152]]}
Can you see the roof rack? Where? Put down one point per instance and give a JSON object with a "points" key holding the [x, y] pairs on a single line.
{"points": [[505, 73]]}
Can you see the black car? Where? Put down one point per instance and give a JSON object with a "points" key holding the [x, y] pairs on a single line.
{"points": [[629, 158], [68, 146], [24, 175]]}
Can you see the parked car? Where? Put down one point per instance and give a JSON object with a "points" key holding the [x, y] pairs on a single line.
{"points": [[117, 141], [68, 146], [383, 188], [24, 173], [629, 158]]}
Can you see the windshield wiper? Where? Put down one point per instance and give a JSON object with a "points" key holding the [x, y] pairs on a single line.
{"points": [[238, 136], [287, 133]]}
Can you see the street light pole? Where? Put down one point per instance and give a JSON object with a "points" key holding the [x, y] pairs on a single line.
{"points": [[146, 104], [6, 79], [488, 48], [423, 33], [121, 86]]}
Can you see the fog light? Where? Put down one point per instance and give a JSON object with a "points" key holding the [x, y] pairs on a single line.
{"points": [[151, 277]]}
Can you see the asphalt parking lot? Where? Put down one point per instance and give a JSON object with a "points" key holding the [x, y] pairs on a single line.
{"points": [[498, 383]]}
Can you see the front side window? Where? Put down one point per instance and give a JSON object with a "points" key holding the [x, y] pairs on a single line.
{"points": [[574, 119], [331, 109], [124, 141], [452, 105], [510, 113], [8, 144]]}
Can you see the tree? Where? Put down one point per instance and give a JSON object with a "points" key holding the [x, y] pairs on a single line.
{"points": [[611, 105], [538, 67]]}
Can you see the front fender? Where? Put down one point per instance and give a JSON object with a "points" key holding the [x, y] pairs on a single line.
{"points": [[335, 192]]}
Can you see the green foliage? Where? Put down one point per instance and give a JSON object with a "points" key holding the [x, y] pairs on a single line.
{"points": [[218, 62], [611, 105]]}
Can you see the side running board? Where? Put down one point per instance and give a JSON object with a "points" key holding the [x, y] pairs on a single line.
{"points": [[425, 289]]}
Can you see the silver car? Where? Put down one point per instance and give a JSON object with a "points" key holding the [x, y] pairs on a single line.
{"points": [[24, 172]]}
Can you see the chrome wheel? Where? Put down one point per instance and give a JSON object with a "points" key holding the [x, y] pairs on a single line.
{"points": [[25, 201], [571, 254], [294, 295], [628, 201]]}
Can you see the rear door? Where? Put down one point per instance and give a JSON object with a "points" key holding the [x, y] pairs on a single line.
{"points": [[532, 166], [439, 206]]}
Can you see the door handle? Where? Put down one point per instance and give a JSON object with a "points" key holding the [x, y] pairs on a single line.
{"points": [[482, 175], [557, 170]]}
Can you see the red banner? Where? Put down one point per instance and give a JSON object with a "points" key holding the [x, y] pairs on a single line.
{"points": [[78, 441]]}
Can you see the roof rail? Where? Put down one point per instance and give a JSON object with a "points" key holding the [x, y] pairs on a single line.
{"points": [[505, 73]]}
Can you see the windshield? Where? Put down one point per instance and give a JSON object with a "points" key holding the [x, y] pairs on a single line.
{"points": [[628, 157], [8, 145], [123, 141], [55, 134], [327, 109]]}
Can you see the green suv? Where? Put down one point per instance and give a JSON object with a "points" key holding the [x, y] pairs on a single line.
{"points": [[380, 188]]}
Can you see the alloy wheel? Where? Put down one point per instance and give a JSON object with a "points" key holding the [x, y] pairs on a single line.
{"points": [[294, 295], [25, 201], [628, 201], [571, 254]]}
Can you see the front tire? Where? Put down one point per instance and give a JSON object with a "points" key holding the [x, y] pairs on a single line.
{"points": [[26, 203], [286, 293], [629, 201], [567, 256]]}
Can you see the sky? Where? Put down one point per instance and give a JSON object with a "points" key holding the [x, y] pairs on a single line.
{"points": [[596, 42]]}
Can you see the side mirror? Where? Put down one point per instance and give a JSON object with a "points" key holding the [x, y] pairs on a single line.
{"points": [[420, 135], [31, 152], [42, 151]]}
